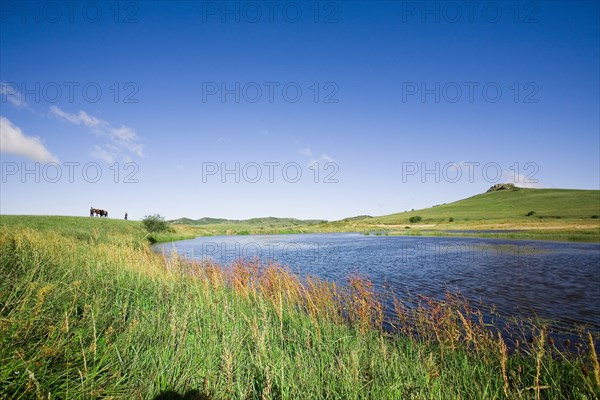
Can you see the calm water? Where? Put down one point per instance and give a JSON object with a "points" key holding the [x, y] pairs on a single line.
{"points": [[523, 279]]}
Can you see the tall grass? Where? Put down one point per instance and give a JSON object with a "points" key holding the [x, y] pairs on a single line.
{"points": [[83, 318]]}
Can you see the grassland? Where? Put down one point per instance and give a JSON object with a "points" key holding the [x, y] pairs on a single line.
{"points": [[558, 214], [267, 225], [88, 311], [496, 209]]}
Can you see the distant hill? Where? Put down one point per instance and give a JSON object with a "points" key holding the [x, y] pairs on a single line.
{"points": [[281, 221], [201, 221], [504, 206], [264, 221], [357, 218], [511, 204]]}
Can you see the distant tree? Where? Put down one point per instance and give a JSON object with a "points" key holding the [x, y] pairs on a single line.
{"points": [[155, 223], [450, 219], [414, 219]]}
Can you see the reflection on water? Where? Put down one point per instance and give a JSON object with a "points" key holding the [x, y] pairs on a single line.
{"points": [[523, 279]]}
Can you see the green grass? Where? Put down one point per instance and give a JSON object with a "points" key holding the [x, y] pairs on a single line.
{"points": [[559, 214], [266, 224], [509, 206], [88, 311], [559, 235], [95, 229], [83, 228]]}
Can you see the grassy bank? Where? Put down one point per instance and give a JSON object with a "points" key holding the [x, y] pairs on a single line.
{"points": [[558, 235], [87, 310], [97, 229], [544, 214]]}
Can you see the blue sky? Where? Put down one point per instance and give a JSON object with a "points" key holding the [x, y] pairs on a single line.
{"points": [[396, 98]]}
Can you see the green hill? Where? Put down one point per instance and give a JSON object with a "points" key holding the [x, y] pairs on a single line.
{"points": [[554, 214], [81, 228], [557, 214], [511, 206], [201, 221], [264, 221]]}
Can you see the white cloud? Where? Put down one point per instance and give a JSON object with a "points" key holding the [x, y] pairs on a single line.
{"points": [[103, 153], [122, 139], [124, 133], [80, 118], [476, 169], [12, 95], [306, 151], [126, 138], [13, 140], [321, 160], [520, 180]]}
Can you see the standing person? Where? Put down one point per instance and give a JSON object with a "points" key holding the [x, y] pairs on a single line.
{"points": [[125, 216]]}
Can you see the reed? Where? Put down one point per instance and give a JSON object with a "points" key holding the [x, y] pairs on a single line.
{"points": [[91, 315]]}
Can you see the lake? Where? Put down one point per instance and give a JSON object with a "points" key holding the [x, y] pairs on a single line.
{"points": [[559, 281]]}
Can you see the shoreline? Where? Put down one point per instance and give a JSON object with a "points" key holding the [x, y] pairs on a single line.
{"points": [[581, 236], [91, 311]]}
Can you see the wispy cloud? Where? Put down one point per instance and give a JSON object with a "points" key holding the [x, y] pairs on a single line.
{"points": [[104, 153], [509, 175], [307, 152], [521, 180], [11, 94], [324, 158], [126, 138], [123, 139], [78, 119], [13, 140]]}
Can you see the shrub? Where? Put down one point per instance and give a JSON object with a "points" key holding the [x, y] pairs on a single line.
{"points": [[594, 216], [155, 223], [414, 219], [450, 219], [530, 213]]}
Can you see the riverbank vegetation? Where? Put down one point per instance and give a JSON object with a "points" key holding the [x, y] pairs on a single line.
{"points": [[533, 214], [88, 310]]}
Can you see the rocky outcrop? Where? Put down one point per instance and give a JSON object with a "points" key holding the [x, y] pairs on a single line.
{"points": [[502, 186]]}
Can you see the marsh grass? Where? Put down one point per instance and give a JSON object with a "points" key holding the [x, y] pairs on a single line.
{"points": [[95, 315], [586, 236]]}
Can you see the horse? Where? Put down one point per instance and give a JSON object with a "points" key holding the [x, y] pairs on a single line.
{"points": [[98, 212]]}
